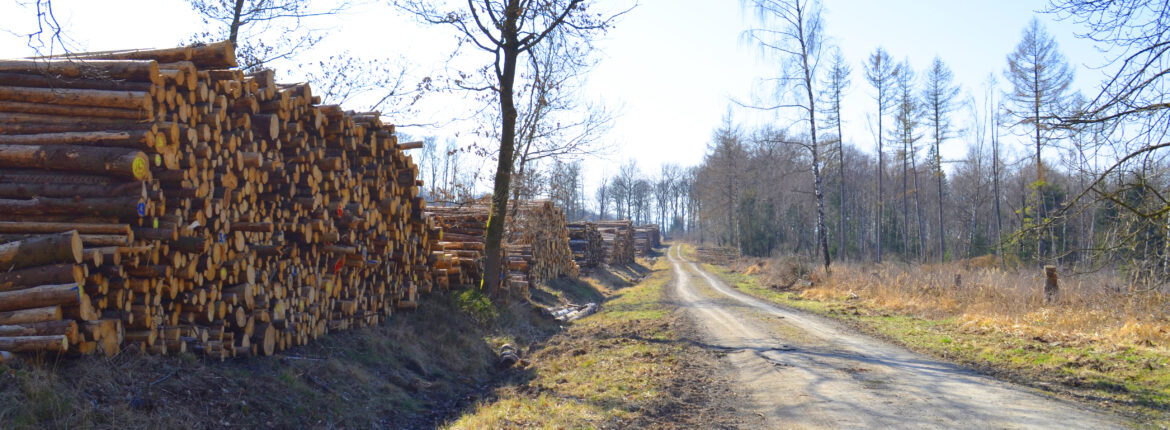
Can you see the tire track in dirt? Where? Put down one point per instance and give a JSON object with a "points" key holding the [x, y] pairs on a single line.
{"points": [[802, 371]]}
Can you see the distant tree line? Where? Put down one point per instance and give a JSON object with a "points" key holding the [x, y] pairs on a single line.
{"points": [[1088, 190]]}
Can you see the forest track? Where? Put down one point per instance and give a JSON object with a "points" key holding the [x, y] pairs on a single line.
{"points": [[798, 370]]}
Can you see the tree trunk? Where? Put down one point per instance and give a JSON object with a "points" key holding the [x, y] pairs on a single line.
{"points": [[841, 172], [942, 239], [495, 227], [905, 195], [995, 185], [80, 97], [881, 172], [97, 206], [234, 30], [918, 208]]}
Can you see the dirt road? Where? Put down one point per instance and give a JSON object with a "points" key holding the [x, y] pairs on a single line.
{"points": [[804, 371]]}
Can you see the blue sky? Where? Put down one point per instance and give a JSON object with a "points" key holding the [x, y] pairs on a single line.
{"points": [[672, 65]]}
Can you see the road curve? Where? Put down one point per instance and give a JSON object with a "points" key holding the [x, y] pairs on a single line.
{"points": [[802, 371]]}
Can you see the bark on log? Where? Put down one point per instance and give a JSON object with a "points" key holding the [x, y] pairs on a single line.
{"points": [[42, 275], [24, 316], [48, 249], [36, 297], [80, 97], [141, 71], [55, 343], [24, 190], [120, 207], [127, 163]]}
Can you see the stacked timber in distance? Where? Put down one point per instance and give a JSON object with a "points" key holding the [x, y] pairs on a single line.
{"points": [[618, 237], [585, 241], [458, 250], [213, 211], [462, 242], [536, 246], [541, 225], [646, 238], [716, 254]]}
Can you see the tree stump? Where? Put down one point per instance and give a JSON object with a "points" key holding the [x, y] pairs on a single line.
{"points": [[1051, 284]]}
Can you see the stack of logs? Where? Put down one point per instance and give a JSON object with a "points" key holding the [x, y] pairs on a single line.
{"points": [[619, 241], [646, 237], [459, 250], [585, 240], [536, 246], [541, 225], [716, 255], [205, 210]]}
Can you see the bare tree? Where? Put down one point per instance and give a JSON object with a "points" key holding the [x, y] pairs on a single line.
{"points": [[48, 35], [664, 190], [265, 31], [939, 97], [430, 162], [907, 116], [230, 18], [791, 30], [553, 123], [879, 71], [625, 188], [507, 30], [1130, 118], [720, 180], [836, 86], [603, 198], [1039, 77]]}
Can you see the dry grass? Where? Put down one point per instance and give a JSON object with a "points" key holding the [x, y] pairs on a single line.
{"points": [[1090, 309]]}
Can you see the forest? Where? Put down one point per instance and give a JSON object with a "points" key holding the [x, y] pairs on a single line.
{"points": [[1049, 175]]}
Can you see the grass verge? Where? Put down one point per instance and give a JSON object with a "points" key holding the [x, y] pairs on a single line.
{"points": [[625, 366], [1130, 379]]}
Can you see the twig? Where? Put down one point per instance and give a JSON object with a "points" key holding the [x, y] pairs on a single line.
{"points": [[156, 382]]}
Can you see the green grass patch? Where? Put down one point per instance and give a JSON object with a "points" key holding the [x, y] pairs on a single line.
{"points": [[475, 303]]}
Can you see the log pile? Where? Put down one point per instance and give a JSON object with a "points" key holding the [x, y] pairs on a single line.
{"points": [[536, 246], [541, 225], [618, 237], [458, 250], [716, 255], [462, 244], [204, 209], [585, 241], [646, 238]]}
